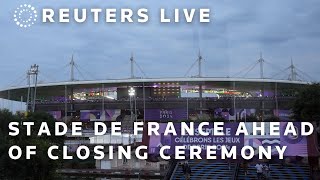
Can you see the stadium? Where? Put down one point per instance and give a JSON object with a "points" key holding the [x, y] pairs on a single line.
{"points": [[194, 94], [197, 98]]}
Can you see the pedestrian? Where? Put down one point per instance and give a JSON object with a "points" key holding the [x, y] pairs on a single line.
{"points": [[266, 169], [184, 168], [245, 168], [259, 168], [188, 172], [183, 164]]}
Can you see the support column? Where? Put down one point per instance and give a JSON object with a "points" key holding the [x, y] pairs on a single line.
{"points": [[261, 61], [35, 90], [144, 103], [201, 100], [65, 103], [234, 100], [262, 102], [276, 98], [102, 92], [187, 100], [28, 94], [21, 102], [132, 66], [71, 101]]}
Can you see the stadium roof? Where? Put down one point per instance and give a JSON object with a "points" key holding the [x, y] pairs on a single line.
{"points": [[14, 93]]}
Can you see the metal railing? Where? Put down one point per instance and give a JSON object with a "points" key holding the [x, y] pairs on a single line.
{"points": [[236, 171], [171, 169]]}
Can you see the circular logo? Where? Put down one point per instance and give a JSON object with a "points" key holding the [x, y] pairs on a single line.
{"points": [[291, 138], [25, 16]]}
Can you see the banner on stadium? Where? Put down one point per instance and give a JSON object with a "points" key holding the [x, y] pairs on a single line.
{"points": [[297, 146], [165, 114], [98, 115], [230, 114], [284, 115], [156, 142]]}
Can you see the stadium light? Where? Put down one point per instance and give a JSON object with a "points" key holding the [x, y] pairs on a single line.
{"points": [[131, 91]]}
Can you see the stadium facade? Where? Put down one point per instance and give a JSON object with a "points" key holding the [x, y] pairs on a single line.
{"points": [[162, 100], [194, 95]]}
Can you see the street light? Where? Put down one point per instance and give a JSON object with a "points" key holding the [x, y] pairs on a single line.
{"points": [[132, 93]]}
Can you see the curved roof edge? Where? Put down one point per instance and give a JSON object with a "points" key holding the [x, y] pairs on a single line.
{"points": [[141, 80]]}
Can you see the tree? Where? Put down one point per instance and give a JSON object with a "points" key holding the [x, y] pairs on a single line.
{"points": [[250, 118], [272, 118], [307, 104], [218, 119], [40, 166]]}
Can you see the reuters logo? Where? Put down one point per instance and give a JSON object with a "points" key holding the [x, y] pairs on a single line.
{"points": [[25, 16]]}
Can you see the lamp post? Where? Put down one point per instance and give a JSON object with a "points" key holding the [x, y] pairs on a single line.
{"points": [[132, 93]]}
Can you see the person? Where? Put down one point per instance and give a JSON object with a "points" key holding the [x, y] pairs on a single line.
{"points": [[245, 168], [229, 165], [266, 169], [259, 168], [186, 170]]}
